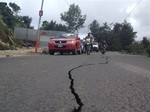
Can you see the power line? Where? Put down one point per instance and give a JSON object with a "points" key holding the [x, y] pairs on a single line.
{"points": [[67, 3], [133, 9]]}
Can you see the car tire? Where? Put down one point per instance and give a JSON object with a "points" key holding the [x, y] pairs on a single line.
{"points": [[61, 53], [51, 53]]}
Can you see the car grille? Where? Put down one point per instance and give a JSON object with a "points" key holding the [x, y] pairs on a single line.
{"points": [[58, 42]]}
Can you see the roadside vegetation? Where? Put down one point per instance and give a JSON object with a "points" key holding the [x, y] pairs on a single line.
{"points": [[73, 18], [120, 37], [9, 19]]}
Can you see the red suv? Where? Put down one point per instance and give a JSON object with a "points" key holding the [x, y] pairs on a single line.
{"points": [[65, 42]]}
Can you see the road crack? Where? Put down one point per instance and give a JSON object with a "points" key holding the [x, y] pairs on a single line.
{"points": [[78, 100], [77, 97]]}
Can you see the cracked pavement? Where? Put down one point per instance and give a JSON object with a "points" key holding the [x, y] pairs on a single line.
{"points": [[96, 83], [78, 100]]}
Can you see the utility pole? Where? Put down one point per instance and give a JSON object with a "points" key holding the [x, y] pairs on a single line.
{"points": [[38, 33]]}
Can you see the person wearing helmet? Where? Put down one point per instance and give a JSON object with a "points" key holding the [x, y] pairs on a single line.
{"points": [[90, 37], [103, 45]]}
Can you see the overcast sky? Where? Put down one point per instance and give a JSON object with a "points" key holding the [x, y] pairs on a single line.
{"points": [[102, 10]]}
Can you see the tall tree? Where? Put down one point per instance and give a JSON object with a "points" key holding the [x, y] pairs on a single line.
{"points": [[73, 18], [104, 31], [24, 21], [27, 20], [127, 35], [145, 42], [116, 41], [94, 28], [5, 36], [52, 25], [45, 25], [118, 38], [7, 15], [10, 19], [15, 8]]}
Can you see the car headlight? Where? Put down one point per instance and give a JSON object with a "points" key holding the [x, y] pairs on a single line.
{"points": [[95, 45], [70, 42], [52, 42]]}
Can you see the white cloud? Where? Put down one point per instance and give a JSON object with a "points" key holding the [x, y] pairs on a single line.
{"points": [[101, 10]]}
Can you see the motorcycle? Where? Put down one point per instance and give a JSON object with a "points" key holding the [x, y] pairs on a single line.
{"points": [[103, 49], [88, 47]]}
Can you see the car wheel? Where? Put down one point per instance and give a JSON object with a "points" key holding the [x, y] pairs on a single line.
{"points": [[51, 53], [61, 53]]}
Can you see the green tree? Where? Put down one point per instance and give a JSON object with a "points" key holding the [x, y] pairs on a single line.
{"points": [[94, 28], [60, 27], [100, 32], [24, 21], [5, 36], [116, 41], [10, 19], [53, 26], [27, 20], [145, 42], [136, 48], [73, 18], [45, 25], [118, 38], [49, 25], [104, 31], [127, 35], [15, 7], [7, 15], [123, 36], [148, 50]]}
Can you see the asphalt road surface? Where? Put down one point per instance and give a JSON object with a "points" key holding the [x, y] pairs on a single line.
{"points": [[83, 83]]}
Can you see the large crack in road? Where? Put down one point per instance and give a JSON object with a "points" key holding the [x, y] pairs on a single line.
{"points": [[77, 97]]}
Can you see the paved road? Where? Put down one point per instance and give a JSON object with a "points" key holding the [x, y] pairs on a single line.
{"points": [[67, 83]]}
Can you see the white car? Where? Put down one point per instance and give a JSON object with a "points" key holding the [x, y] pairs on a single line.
{"points": [[95, 46]]}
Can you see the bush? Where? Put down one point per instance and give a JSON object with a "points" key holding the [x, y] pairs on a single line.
{"points": [[148, 50], [137, 48], [5, 37]]}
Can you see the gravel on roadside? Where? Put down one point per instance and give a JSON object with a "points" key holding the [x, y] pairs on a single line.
{"points": [[19, 52]]}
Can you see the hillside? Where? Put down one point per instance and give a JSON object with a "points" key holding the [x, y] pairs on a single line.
{"points": [[5, 37]]}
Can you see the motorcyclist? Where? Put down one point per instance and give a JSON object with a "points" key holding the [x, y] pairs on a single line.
{"points": [[90, 38], [103, 44]]}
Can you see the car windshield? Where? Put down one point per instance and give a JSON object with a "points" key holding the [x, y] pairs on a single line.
{"points": [[66, 35], [95, 43]]}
